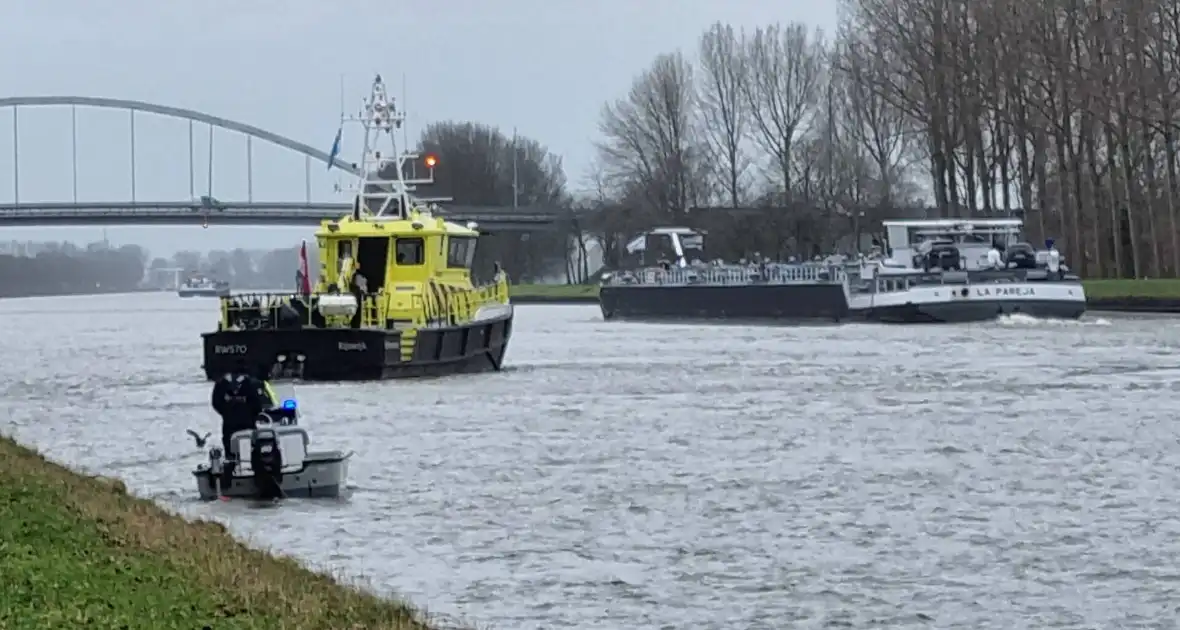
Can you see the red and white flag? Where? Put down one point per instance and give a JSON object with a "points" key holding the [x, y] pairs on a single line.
{"points": [[304, 275]]}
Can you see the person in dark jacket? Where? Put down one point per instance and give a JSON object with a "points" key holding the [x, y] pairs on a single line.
{"points": [[238, 399]]}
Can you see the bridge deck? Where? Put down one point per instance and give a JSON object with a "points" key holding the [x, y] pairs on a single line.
{"points": [[244, 213]]}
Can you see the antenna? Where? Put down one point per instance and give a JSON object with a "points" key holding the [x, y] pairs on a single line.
{"points": [[383, 190], [342, 98], [405, 128], [515, 178]]}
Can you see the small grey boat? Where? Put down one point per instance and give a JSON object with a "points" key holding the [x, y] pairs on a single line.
{"points": [[272, 461]]}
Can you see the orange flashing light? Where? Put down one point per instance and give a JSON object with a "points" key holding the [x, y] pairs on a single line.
{"points": [[431, 161]]}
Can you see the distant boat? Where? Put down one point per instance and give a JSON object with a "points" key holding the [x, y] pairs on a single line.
{"points": [[200, 286]]}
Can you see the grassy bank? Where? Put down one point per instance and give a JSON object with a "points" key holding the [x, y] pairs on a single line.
{"points": [[1165, 289], [78, 552], [557, 293]]}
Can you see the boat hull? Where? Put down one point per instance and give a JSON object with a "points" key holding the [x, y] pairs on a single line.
{"points": [[324, 475], [768, 303], [188, 293], [830, 303], [351, 354], [975, 303], [953, 313]]}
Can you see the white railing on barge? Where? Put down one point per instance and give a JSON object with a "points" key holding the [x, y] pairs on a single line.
{"points": [[776, 274]]}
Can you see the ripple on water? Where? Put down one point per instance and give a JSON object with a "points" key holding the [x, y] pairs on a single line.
{"points": [[1011, 475]]}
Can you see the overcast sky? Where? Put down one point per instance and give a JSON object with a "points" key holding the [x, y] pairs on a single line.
{"points": [[544, 66]]}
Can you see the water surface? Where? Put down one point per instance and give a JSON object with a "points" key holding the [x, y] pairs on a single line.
{"points": [[1009, 475]]}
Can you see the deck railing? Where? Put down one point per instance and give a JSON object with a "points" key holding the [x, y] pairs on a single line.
{"points": [[775, 274], [269, 311]]}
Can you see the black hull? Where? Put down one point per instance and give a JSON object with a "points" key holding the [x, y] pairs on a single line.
{"points": [[968, 312], [346, 354], [756, 303], [199, 293]]}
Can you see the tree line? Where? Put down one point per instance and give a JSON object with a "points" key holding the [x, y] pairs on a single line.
{"points": [[1062, 112], [260, 270], [66, 269], [480, 165]]}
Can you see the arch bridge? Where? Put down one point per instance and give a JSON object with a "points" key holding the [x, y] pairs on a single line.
{"points": [[206, 209]]}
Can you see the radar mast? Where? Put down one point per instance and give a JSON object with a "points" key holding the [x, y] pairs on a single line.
{"points": [[383, 191]]}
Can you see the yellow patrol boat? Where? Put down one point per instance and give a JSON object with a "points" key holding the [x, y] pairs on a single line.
{"points": [[395, 296]]}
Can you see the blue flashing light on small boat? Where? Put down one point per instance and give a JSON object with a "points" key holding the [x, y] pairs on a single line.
{"points": [[289, 404]]}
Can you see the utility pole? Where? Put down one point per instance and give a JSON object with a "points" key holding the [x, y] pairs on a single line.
{"points": [[515, 178]]}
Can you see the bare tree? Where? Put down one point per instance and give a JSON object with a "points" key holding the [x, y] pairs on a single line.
{"points": [[1164, 53], [913, 35], [723, 106], [1062, 109], [872, 122], [782, 89], [477, 169], [649, 141]]}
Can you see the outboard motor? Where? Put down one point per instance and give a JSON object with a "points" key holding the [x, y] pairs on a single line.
{"points": [[216, 461], [266, 459], [288, 366]]}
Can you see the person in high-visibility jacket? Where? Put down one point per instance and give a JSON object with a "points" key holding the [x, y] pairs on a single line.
{"points": [[269, 398], [268, 393]]}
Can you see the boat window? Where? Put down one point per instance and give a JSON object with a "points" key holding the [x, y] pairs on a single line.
{"points": [[411, 251], [460, 251]]}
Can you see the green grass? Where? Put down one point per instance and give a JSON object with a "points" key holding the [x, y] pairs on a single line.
{"points": [[79, 552], [553, 291], [1114, 289]]}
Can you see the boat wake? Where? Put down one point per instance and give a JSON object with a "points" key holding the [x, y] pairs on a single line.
{"points": [[1020, 320]]}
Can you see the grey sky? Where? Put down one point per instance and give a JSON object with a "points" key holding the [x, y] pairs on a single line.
{"points": [[544, 66]]}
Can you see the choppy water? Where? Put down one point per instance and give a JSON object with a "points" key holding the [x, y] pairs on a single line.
{"points": [[1012, 475]]}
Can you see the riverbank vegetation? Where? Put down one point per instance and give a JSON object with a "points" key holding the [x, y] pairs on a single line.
{"points": [[1164, 289], [65, 269], [554, 291], [484, 166], [80, 552], [1061, 112]]}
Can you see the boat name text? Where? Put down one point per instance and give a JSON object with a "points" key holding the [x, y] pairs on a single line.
{"points": [[1004, 291], [352, 346], [237, 348]]}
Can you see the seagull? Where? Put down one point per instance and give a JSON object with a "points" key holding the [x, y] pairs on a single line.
{"points": [[199, 440]]}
